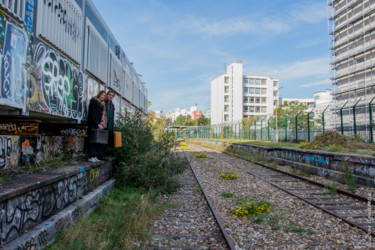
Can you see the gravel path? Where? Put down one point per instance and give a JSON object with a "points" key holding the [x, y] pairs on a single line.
{"points": [[189, 224], [291, 223]]}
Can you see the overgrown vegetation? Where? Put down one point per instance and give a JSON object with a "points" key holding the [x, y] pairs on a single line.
{"points": [[251, 208], [201, 155], [144, 161], [349, 178], [120, 220], [228, 176]]}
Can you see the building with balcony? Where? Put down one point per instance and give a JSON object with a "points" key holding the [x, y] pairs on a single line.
{"points": [[352, 60], [235, 96]]}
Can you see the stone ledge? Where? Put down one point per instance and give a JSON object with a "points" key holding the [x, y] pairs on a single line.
{"points": [[45, 232]]}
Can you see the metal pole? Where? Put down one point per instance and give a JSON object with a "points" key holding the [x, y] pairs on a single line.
{"points": [[261, 129], [354, 117], [297, 125], [371, 121], [323, 118], [255, 134], [308, 125], [286, 127], [269, 127], [342, 119]]}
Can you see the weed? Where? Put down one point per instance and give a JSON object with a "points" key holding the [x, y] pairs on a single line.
{"points": [[197, 190], [227, 195], [201, 155], [349, 178], [302, 172], [183, 144], [228, 176], [251, 208], [294, 229]]}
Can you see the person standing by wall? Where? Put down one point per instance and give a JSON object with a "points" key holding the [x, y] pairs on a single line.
{"points": [[110, 108], [97, 118]]}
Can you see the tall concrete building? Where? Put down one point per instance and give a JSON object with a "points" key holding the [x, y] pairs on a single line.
{"points": [[352, 58], [235, 96]]}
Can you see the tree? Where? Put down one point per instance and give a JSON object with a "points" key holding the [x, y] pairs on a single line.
{"points": [[292, 109], [203, 121]]}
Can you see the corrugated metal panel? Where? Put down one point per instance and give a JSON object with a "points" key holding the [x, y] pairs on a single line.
{"points": [[60, 22], [128, 87], [135, 100], [96, 53], [16, 8], [117, 74]]}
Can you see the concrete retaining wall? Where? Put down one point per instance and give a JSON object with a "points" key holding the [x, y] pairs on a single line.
{"points": [[321, 163], [28, 200]]}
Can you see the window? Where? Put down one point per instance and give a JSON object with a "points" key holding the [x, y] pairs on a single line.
{"points": [[226, 89], [257, 109], [263, 109], [275, 83], [257, 81], [275, 93], [263, 91], [252, 81], [252, 109], [264, 83], [251, 99], [245, 108], [274, 103], [226, 118], [264, 100], [245, 80], [245, 99], [226, 98], [251, 90], [245, 90], [257, 91], [226, 108], [226, 79], [257, 100]]}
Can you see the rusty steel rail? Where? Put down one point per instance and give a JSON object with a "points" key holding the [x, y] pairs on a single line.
{"points": [[222, 229], [343, 192]]}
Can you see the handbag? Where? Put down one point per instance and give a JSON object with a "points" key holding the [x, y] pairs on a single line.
{"points": [[117, 140], [99, 136]]}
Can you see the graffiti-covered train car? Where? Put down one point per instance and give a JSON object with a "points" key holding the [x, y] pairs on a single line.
{"points": [[54, 56]]}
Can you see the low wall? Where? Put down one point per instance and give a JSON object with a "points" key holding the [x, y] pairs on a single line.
{"points": [[27, 200], [321, 163]]}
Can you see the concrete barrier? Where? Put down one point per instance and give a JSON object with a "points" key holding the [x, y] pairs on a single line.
{"points": [[28, 200]]}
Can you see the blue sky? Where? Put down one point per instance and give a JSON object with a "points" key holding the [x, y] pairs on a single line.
{"points": [[179, 46]]}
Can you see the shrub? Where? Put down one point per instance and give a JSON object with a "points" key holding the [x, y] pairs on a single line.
{"points": [[251, 208], [201, 155], [183, 144], [143, 161]]}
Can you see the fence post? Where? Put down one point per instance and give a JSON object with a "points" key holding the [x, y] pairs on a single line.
{"points": [[342, 119], [269, 127], [261, 129], [308, 125], [323, 118], [286, 127], [297, 126], [371, 122], [255, 134], [354, 116]]}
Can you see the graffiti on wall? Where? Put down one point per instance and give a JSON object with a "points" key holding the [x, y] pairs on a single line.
{"points": [[19, 128], [2, 30], [29, 15], [59, 84], [9, 151], [13, 72]]}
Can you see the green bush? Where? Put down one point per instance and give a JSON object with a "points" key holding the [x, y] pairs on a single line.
{"points": [[143, 161]]}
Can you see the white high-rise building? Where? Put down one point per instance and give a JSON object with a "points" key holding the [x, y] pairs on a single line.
{"points": [[235, 96], [352, 58]]}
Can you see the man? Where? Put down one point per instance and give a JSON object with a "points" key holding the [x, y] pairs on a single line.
{"points": [[110, 109]]}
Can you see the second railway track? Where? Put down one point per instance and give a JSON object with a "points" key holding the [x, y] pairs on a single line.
{"points": [[350, 209]]}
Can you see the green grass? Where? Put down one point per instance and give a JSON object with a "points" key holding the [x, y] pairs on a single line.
{"points": [[120, 220], [259, 143], [227, 195]]}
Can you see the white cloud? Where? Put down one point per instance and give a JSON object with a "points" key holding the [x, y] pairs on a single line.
{"points": [[318, 83]]}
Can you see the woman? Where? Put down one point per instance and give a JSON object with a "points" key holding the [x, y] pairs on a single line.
{"points": [[97, 118]]}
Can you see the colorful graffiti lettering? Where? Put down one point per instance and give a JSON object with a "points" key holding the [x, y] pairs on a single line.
{"points": [[29, 15], [9, 151], [2, 29], [60, 85], [13, 72]]}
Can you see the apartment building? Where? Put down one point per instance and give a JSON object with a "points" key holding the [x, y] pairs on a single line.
{"points": [[235, 96], [352, 58]]}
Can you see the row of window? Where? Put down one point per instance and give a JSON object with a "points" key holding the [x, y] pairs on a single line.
{"points": [[256, 109], [262, 91], [254, 99], [252, 81]]}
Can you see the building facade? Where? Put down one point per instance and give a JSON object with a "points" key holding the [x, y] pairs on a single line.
{"points": [[235, 96], [352, 60], [55, 56]]}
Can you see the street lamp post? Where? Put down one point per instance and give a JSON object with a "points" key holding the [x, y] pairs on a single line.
{"points": [[196, 120]]}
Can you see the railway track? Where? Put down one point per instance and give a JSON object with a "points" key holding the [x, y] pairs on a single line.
{"points": [[217, 218], [351, 208]]}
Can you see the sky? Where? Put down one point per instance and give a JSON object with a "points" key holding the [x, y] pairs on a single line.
{"points": [[180, 46]]}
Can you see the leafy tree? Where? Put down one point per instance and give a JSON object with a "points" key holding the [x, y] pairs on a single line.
{"points": [[203, 121], [292, 109], [182, 120]]}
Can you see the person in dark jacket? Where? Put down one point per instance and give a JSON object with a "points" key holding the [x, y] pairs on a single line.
{"points": [[97, 118], [110, 108]]}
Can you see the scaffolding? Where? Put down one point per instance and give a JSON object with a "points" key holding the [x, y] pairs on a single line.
{"points": [[351, 27]]}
